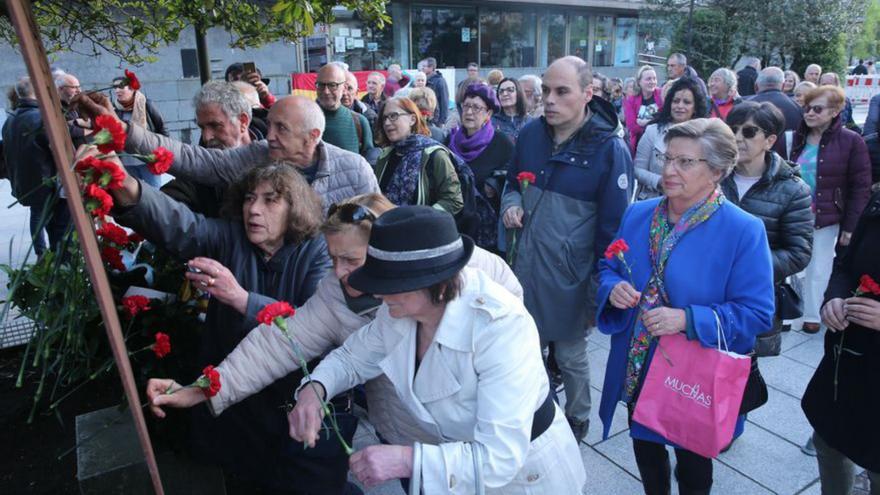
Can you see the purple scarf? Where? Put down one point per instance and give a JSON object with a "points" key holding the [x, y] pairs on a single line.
{"points": [[470, 148], [401, 188]]}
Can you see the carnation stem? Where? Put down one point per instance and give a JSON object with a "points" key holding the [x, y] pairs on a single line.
{"points": [[324, 407]]}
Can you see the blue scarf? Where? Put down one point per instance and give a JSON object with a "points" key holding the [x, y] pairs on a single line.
{"points": [[405, 180]]}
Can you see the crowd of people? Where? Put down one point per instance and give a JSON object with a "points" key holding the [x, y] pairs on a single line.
{"points": [[449, 251]]}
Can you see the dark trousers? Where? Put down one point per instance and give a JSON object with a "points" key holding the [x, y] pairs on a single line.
{"points": [[56, 222], [693, 471]]}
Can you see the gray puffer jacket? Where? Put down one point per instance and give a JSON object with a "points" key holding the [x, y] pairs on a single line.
{"points": [[341, 174], [783, 202]]}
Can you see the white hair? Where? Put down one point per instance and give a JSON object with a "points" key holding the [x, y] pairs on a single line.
{"points": [[24, 88], [226, 96], [727, 76]]}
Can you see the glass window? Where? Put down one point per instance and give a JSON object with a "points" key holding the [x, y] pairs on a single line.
{"points": [[448, 34], [552, 38], [653, 39], [507, 39], [602, 41], [625, 41], [364, 47], [580, 34]]}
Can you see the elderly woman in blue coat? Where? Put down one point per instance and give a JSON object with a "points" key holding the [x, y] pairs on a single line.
{"points": [[693, 255]]}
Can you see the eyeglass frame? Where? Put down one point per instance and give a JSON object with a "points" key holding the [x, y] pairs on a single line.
{"points": [[477, 109], [356, 213], [667, 160], [332, 86], [392, 116], [508, 89]]}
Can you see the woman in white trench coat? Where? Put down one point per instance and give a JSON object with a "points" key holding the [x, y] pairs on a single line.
{"points": [[464, 358]]}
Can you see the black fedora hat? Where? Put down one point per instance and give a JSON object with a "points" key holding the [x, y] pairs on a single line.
{"points": [[411, 248]]}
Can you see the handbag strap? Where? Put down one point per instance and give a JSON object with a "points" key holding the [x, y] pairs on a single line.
{"points": [[720, 335], [415, 480]]}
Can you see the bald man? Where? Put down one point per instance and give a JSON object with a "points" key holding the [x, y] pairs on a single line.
{"points": [[295, 134], [346, 129], [585, 178]]}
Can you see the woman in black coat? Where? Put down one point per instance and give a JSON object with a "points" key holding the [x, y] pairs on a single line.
{"points": [[764, 185], [842, 399], [486, 151]]}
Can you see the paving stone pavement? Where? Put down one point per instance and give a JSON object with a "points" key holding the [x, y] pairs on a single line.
{"points": [[766, 460]]}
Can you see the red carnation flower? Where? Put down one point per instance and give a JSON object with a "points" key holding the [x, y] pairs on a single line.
{"points": [[616, 248], [109, 134], [135, 238], [104, 173], [868, 285], [159, 161], [113, 258], [209, 382], [162, 347], [278, 309], [111, 232], [98, 202], [132, 80], [525, 178], [135, 304]]}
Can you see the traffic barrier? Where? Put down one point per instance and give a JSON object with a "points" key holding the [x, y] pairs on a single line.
{"points": [[860, 89]]}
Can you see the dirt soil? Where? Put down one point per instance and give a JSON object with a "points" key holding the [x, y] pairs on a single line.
{"points": [[28, 452]]}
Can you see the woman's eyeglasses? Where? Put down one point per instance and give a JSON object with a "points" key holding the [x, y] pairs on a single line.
{"points": [[748, 131], [509, 89], [680, 163], [468, 107], [393, 116], [817, 109], [351, 212]]}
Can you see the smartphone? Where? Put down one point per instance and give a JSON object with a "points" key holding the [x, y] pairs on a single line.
{"points": [[249, 67]]}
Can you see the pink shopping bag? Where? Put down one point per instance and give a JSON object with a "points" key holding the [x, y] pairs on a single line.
{"points": [[692, 394]]}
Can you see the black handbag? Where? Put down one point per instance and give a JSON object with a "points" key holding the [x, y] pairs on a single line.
{"points": [[789, 305], [755, 394]]}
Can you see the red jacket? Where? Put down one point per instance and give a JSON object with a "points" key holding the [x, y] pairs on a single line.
{"points": [[843, 175], [631, 106]]}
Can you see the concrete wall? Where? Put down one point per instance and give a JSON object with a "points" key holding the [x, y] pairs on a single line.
{"points": [[163, 81]]}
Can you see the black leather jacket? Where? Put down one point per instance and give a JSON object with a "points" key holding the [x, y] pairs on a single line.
{"points": [[783, 202]]}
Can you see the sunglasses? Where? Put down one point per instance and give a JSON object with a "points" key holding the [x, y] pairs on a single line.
{"points": [[817, 109], [351, 213], [748, 131]]}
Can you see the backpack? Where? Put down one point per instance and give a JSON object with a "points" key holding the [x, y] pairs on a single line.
{"points": [[477, 217]]}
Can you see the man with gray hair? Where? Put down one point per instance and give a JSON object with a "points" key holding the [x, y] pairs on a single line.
{"points": [[68, 86], [583, 172], [769, 89], [812, 73], [531, 86], [436, 82], [375, 96], [223, 114], [747, 76], [296, 128], [677, 67], [29, 163]]}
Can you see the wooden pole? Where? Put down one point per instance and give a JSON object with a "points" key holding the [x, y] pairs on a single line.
{"points": [[35, 58]]}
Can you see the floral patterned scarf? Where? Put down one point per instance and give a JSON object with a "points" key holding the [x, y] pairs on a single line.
{"points": [[663, 237], [402, 186]]}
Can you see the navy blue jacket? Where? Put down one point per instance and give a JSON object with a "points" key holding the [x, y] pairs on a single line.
{"points": [[572, 212]]}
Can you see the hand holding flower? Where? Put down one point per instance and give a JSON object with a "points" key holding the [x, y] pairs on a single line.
{"points": [[863, 311], [624, 296], [304, 420], [179, 396]]}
